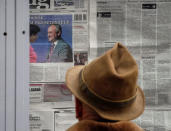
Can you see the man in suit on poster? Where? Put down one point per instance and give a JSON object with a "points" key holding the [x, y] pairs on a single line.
{"points": [[60, 51]]}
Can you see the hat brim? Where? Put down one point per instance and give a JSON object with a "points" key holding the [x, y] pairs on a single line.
{"points": [[120, 113]]}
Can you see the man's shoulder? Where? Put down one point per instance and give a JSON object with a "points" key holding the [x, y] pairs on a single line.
{"points": [[62, 41], [89, 125], [62, 44]]}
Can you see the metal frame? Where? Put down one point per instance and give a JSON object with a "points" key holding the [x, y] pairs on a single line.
{"points": [[2, 66], [14, 61]]}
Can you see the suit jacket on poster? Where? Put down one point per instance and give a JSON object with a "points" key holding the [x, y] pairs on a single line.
{"points": [[90, 125], [61, 53]]}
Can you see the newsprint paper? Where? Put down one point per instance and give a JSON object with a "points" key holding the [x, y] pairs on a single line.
{"points": [[48, 72], [143, 26]]}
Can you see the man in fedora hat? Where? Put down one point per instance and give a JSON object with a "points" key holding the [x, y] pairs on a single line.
{"points": [[106, 91]]}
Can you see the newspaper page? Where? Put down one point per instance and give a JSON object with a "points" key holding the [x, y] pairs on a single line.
{"points": [[144, 27], [49, 97]]}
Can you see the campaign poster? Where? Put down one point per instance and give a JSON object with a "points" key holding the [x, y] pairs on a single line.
{"points": [[62, 52]]}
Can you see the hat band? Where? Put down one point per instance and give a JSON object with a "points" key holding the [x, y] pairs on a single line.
{"points": [[98, 98]]}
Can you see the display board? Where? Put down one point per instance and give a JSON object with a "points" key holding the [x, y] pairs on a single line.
{"points": [[143, 26]]}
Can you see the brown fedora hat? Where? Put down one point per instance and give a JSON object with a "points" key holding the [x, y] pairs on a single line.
{"points": [[108, 85]]}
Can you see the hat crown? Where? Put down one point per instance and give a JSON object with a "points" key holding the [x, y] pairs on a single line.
{"points": [[112, 76]]}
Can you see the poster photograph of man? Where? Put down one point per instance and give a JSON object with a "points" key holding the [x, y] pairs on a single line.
{"points": [[54, 43]]}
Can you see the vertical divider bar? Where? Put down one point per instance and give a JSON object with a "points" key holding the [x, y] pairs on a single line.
{"points": [[10, 66], [22, 65], [2, 66]]}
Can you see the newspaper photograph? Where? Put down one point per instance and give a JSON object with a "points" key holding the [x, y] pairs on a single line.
{"points": [[80, 58], [42, 93], [56, 93], [54, 43]]}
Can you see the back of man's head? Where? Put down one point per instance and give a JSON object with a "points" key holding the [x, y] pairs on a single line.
{"points": [[58, 30]]}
